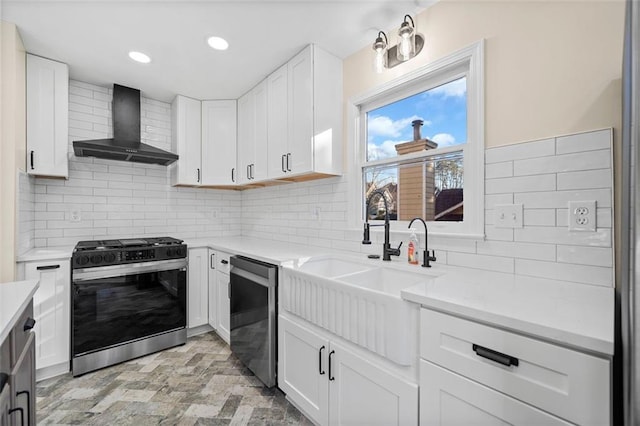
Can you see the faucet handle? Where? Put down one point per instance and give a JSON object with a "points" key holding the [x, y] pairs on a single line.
{"points": [[428, 258], [366, 237]]}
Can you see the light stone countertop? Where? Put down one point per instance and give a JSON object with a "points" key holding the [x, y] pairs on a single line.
{"points": [[574, 315], [14, 298]]}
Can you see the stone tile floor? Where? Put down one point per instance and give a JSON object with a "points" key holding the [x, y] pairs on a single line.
{"points": [[200, 383]]}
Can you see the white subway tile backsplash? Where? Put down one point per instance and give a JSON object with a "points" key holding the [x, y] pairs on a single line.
{"points": [[557, 235], [563, 163], [587, 141], [540, 148], [539, 217], [560, 199], [518, 250], [593, 275], [479, 261], [590, 179], [498, 170], [581, 255], [521, 184]]}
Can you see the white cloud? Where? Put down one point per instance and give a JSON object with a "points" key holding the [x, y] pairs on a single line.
{"points": [[443, 139], [384, 150], [455, 88], [384, 126]]}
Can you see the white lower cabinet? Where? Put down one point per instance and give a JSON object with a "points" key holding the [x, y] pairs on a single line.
{"points": [[222, 284], [51, 309], [334, 385], [197, 287], [448, 398], [472, 373]]}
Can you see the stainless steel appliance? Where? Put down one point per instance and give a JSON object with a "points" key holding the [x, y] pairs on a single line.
{"points": [[253, 307], [128, 300]]}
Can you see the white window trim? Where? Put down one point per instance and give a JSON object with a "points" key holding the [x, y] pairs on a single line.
{"points": [[472, 59]]}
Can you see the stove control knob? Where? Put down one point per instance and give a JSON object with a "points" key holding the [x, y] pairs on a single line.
{"points": [[180, 251], [96, 258], [82, 260], [109, 258]]}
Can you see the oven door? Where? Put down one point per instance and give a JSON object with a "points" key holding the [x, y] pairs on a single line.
{"points": [[121, 303]]}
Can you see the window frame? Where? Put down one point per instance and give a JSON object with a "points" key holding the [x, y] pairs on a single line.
{"points": [[467, 62]]}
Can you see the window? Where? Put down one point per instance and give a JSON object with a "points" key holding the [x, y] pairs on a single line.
{"points": [[420, 143]]}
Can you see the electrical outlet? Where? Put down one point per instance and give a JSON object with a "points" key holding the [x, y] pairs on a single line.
{"points": [[509, 215], [582, 215], [75, 216]]}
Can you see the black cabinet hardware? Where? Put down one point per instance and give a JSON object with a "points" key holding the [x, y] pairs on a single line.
{"points": [[320, 370], [229, 290], [29, 324], [224, 262], [44, 268], [28, 403], [32, 167], [212, 262], [289, 162], [283, 168], [495, 356], [233, 178], [331, 378], [19, 409], [198, 170], [248, 171]]}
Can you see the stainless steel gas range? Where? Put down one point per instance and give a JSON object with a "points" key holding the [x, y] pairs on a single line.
{"points": [[128, 299]]}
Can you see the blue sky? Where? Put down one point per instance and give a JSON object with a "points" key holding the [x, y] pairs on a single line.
{"points": [[443, 110]]}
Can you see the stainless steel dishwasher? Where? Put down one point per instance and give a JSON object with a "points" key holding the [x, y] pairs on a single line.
{"points": [[253, 307]]}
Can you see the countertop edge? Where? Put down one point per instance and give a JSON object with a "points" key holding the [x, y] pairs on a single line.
{"points": [[17, 311]]}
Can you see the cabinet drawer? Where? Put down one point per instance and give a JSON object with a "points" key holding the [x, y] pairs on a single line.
{"points": [[223, 263], [564, 382], [447, 398], [20, 335]]}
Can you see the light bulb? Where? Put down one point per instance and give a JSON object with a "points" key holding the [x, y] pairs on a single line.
{"points": [[378, 61], [404, 47]]}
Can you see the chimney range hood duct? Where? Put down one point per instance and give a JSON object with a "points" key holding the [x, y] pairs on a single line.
{"points": [[125, 145]]}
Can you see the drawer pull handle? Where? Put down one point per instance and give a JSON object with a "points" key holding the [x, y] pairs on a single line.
{"points": [[331, 378], [495, 356], [224, 262], [44, 268], [28, 403], [29, 324], [18, 410], [320, 370]]}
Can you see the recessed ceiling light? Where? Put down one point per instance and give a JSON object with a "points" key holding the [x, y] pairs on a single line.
{"points": [[218, 43], [139, 57]]}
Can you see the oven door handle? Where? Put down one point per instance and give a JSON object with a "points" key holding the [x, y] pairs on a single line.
{"points": [[89, 274], [250, 276]]}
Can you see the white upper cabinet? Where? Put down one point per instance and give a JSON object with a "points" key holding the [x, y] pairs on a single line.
{"points": [[252, 135], [305, 116], [219, 125], [186, 125], [47, 117]]}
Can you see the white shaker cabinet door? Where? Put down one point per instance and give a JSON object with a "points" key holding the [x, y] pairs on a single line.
{"points": [[213, 290], [51, 309], [219, 123], [47, 117], [259, 170], [301, 107], [198, 283], [278, 122], [186, 128], [246, 137], [363, 393]]}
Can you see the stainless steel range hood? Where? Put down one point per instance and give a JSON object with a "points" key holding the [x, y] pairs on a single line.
{"points": [[126, 144]]}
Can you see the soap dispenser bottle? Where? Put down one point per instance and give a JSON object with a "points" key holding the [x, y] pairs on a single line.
{"points": [[412, 249]]}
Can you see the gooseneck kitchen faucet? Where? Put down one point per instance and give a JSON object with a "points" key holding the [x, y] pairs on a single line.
{"points": [[387, 251], [427, 257]]}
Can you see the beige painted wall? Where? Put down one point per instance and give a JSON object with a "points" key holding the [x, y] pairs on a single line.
{"points": [[551, 67], [12, 140]]}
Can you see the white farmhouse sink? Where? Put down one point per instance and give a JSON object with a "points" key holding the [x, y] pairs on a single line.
{"points": [[359, 302], [388, 281], [330, 267]]}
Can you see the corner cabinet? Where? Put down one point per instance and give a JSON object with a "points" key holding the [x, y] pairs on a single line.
{"points": [[472, 373], [219, 122], [51, 308], [304, 124], [332, 384], [197, 287], [186, 127], [47, 117]]}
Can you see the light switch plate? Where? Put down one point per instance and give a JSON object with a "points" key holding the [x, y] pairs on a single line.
{"points": [[509, 215], [582, 215]]}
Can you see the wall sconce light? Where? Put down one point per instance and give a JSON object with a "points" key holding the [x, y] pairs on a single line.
{"points": [[410, 43]]}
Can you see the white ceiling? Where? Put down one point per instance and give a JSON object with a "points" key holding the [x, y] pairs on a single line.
{"points": [[94, 38]]}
